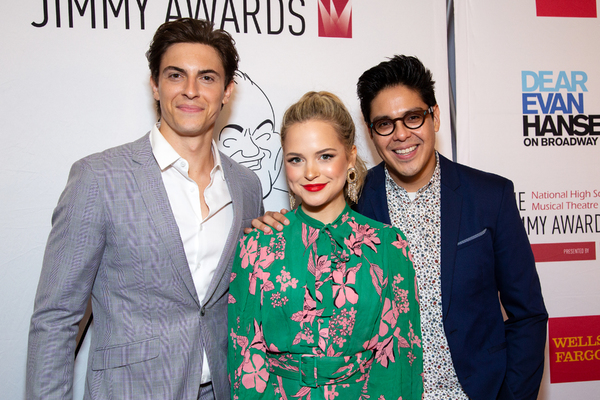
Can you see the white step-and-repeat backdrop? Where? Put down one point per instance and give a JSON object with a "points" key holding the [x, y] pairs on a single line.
{"points": [[528, 107], [74, 80]]}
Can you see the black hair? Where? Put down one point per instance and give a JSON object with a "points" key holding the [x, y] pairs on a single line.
{"points": [[399, 70]]}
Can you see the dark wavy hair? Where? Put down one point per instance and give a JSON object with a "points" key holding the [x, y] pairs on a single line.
{"points": [[399, 70]]}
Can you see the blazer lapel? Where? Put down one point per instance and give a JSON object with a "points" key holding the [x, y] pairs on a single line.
{"points": [[237, 197], [148, 178], [450, 215]]}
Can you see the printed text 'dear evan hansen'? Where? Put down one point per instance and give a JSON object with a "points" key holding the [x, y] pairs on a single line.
{"points": [[549, 101]]}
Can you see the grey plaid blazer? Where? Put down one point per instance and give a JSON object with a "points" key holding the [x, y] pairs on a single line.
{"points": [[114, 236]]}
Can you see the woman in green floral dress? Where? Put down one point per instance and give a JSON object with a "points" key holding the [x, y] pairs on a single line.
{"points": [[327, 308]]}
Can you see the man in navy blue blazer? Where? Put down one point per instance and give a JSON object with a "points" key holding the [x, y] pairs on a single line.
{"points": [[471, 252]]}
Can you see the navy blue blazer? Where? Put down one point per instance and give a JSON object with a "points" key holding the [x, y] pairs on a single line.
{"points": [[485, 254]]}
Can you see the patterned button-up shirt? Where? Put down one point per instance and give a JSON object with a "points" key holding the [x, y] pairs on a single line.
{"points": [[420, 221]]}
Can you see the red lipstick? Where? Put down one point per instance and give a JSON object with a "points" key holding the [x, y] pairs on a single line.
{"points": [[315, 187]]}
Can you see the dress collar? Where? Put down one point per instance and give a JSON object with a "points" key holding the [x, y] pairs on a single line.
{"points": [[315, 223], [338, 233]]}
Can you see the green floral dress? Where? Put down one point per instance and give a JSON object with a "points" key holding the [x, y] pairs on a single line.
{"points": [[325, 312]]}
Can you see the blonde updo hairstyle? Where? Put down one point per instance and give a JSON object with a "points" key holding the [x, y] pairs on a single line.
{"points": [[327, 107]]}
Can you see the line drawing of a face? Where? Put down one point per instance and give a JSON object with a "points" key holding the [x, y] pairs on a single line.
{"points": [[249, 136]]}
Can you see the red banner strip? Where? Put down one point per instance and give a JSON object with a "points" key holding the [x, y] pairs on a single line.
{"points": [[548, 252], [566, 8]]}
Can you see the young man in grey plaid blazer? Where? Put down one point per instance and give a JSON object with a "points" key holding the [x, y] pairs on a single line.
{"points": [[149, 230]]}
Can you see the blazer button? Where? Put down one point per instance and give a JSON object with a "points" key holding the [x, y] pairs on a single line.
{"points": [[203, 311]]}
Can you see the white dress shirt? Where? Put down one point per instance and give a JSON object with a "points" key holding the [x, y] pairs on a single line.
{"points": [[203, 237]]}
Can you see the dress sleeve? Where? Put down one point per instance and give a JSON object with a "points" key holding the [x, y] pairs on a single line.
{"points": [[398, 366], [246, 361]]}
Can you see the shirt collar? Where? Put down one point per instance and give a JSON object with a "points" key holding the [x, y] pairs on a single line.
{"points": [[217, 170], [166, 155]]}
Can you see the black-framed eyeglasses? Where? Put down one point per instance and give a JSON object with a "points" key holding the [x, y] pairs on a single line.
{"points": [[411, 120]]}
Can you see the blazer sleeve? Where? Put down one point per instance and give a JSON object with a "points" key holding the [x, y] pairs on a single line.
{"points": [[73, 254], [521, 296]]}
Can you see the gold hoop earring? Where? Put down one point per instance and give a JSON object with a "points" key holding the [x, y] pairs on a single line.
{"points": [[351, 178]]}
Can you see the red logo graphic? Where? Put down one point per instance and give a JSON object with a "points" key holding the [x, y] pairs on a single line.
{"points": [[566, 8], [335, 18], [574, 349]]}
